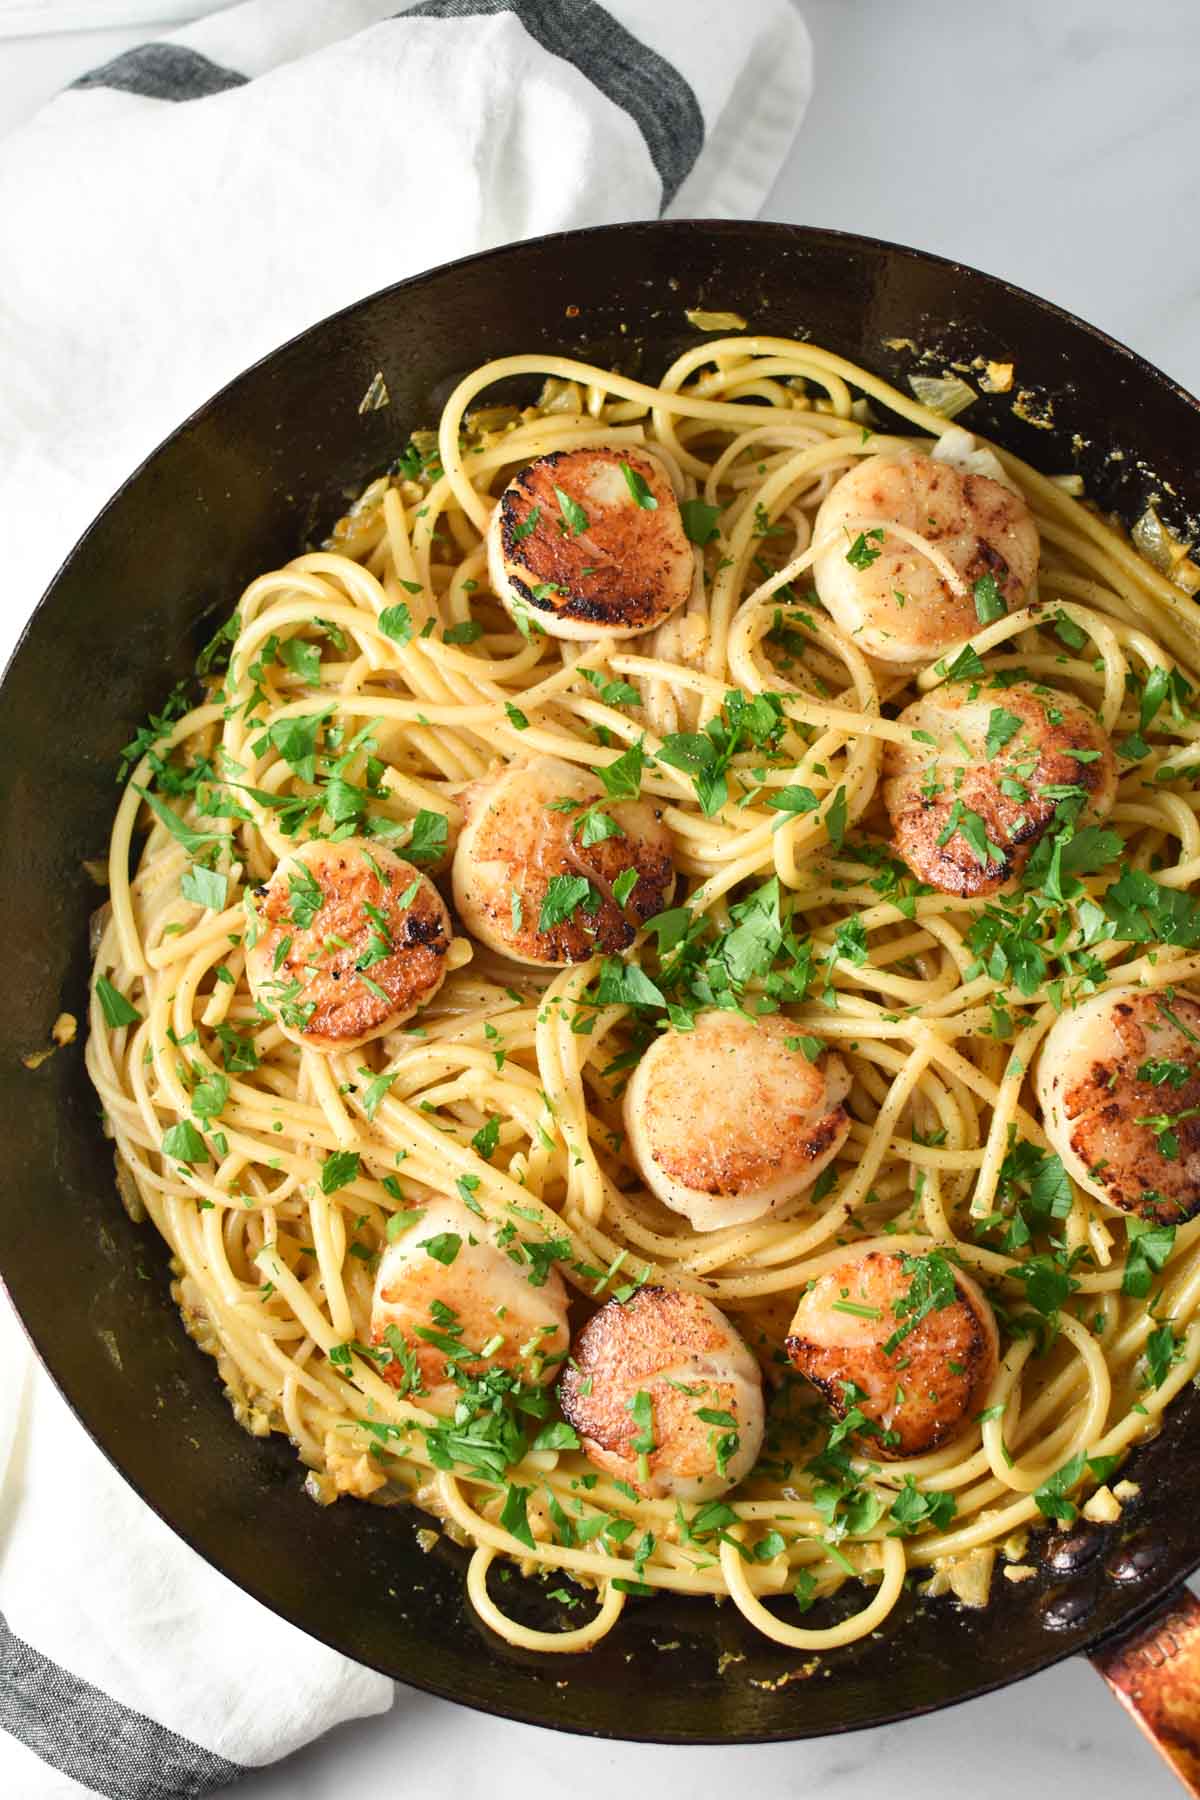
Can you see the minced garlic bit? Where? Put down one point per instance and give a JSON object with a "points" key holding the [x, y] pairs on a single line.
{"points": [[1034, 409], [997, 377], [1125, 1491], [967, 1577], [804, 1673], [1103, 1508], [63, 1031], [352, 1472], [1019, 1572]]}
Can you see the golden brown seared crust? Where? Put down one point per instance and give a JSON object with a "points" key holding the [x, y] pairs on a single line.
{"points": [[628, 569], [777, 1092], [630, 1347], [516, 840], [923, 784], [933, 1382], [1103, 1106], [899, 606], [345, 1009]]}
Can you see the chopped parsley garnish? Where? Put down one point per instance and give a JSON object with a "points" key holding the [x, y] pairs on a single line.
{"points": [[339, 1168], [860, 555], [429, 837], [205, 887], [990, 603], [443, 1248], [303, 659], [563, 894], [914, 1507], [487, 1138], [742, 723], [396, 622], [184, 1143], [613, 693], [625, 984], [1150, 1248], [375, 1091], [792, 800], [1002, 726], [931, 1289], [465, 632], [699, 520], [574, 519], [305, 898], [116, 1008], [622, 778], [639, 488]]}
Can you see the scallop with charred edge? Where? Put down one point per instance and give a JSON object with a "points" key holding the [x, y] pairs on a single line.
{"points": [[665, 1370], [726, 1122], [998, 764], [470, 1290], [526, 828], [352, 941], [917, 1387], [889, 596], [1119, 1086], [592, 550]]}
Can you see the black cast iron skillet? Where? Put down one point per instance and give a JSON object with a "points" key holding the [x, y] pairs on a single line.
{"points": [[254, 475]]}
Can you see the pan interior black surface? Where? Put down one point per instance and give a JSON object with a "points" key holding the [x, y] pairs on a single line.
{"points": [[243, 485]]}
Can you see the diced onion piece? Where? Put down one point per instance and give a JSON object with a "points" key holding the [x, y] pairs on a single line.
{"points": [[1161, 548], [376, 396], [559, 396], [946, 395], [966, 454]]}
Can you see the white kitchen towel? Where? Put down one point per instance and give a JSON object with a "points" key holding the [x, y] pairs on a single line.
{"points": [[168, 219], [184, 209]]}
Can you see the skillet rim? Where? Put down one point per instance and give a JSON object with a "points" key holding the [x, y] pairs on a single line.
{"points": [[1148, 1596]]}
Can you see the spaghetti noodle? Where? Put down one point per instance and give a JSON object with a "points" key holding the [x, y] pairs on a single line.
{"points": [[365, 686]]}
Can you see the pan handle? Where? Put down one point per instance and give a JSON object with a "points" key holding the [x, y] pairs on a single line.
{"points": [[1154, 1671]]}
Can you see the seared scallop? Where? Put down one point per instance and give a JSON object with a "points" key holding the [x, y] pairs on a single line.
{"points": [[887, 593], [352, 941], [445, 1281], [1119, 1086], [732, 1118], [543, 865], [665, 1395], [908, 1340], [983, 778], [592, 541]]}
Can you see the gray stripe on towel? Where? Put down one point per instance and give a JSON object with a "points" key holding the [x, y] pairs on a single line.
{"points": [[163, 72], [626, 71], [95, 1740]]}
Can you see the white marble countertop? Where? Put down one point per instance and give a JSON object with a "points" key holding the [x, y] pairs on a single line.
{"points": [[1055, 144]]}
